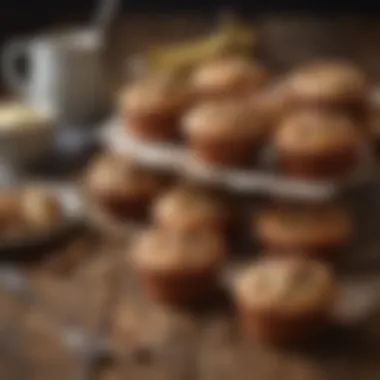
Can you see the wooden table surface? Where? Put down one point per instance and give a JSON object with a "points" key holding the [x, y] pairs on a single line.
{"points": [[88, 283]]}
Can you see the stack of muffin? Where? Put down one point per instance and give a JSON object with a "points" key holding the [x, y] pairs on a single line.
{"points": [[227, 110], [317, 120]]}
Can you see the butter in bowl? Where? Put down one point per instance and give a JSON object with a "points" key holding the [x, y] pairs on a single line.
{"points": [[25, 133]]}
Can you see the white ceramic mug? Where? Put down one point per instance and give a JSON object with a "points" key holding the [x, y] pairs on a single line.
{"points": [[65, 74]]}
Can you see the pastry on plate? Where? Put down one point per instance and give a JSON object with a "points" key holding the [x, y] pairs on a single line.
{"points": [[319, 231], [225, 133], [120, 187], [40, 210], [187, 209], [317, 144], [150, 108], [179, 268], [282, 301], [228, 77]]}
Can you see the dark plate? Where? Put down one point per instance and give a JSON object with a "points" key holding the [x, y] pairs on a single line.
{"points": [[34, 247]]}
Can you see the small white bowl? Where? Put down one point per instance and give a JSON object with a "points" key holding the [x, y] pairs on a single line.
{"points": [[25, 134]]}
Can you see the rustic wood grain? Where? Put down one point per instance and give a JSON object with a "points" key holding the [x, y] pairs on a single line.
{"points": [[103, 296]]}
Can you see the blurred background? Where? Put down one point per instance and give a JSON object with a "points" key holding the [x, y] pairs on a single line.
{"points": [[292, 31], [70, 307]]}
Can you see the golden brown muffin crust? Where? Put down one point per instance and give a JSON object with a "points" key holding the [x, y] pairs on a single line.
{"points": [[228, 73], [317, 131], [303, 225], [159, 94], [110, 175], [329, 82], [162, 250], [185, 208], [287, 286], [223, 120]]}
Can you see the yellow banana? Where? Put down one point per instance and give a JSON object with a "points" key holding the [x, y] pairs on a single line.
{"points": [[231, 38]]}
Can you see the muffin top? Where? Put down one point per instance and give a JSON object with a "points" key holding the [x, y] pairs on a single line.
{"points": [[186, 209], [305, 224], [159, 250], [287, 285], [225, 119], [113, 176], [155, 95], [40, 209], [316, 131], [229, 74], [328, 82]]}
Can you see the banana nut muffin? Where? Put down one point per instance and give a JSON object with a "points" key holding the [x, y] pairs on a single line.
{"points": [[152, 107], [224, 133], [317, 144], [283, 301], [333, 85], [188, 209], [319, 231], [121, 187], [179, 268]]}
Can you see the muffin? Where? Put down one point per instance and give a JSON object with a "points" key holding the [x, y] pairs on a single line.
{"points": [[228, 77], [317, 144], [184, 209], [179, 268], [284, 301], [150, 108], [333, 85], [121, 188], [224, 133], [41, 210], [315, 231]]}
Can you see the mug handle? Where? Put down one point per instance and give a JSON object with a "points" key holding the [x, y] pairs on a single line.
{"points": [[14, 51]]}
